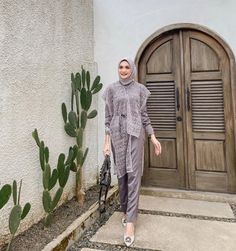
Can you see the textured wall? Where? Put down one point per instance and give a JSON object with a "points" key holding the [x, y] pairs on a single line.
{"points": [[120, 28], [41, 43]]}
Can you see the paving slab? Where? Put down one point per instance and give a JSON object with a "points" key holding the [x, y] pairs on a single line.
{"points": [[186, 206], [167, 233]]}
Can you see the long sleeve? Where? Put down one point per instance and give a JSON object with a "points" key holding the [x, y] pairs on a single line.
{"points": [[145, 93], [107, 97]]}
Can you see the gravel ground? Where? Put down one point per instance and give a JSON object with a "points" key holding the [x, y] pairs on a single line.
{"points": [[36, 237]]}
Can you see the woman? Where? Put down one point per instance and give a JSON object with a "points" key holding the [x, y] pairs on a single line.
{"points": [[126, 121]]}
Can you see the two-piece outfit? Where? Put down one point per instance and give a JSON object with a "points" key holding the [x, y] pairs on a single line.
{"points": [[126, 120]]}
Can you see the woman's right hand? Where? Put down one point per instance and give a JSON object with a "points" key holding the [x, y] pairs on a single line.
{"points": [[106, 149], [157, 144]]}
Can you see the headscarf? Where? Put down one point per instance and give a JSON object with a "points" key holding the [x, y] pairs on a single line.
{"points": [[130, 79]]}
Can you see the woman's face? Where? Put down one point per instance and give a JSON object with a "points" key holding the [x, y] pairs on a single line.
{"points": [[124, 70]]}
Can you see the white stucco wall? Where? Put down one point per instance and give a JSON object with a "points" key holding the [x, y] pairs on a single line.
{"points": [[120, 28], [41, 43]]}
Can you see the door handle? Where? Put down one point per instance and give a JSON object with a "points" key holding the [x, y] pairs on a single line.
{"points": [[177, 98], [188, 98], [179, 118]]}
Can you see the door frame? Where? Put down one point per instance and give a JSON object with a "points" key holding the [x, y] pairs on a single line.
{"points": [[210, 33]]}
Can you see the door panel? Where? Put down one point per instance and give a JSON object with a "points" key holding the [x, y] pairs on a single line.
{"points": [[203, 57], [210, 158], [162, 78], [210, 155], [190, 108]]}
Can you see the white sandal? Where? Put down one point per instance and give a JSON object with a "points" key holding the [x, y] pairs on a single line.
{"points": [[123, 221], [128, 240]]}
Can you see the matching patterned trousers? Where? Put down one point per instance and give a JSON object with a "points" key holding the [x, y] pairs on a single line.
{"points": [[129, 184]]}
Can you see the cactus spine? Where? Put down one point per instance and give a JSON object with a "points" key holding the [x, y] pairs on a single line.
{"points": [[76, 120]]}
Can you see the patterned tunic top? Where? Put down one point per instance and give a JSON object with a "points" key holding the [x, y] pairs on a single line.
{"points": [[125, 114]]}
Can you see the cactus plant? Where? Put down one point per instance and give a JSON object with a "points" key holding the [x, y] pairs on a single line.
{"points": [[16, 214], [76, 120], [50, 177]]}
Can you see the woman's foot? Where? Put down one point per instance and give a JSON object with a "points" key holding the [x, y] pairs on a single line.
{"points": [[129, 234], [123, 220]]}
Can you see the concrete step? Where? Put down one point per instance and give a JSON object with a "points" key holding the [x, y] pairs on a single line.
{"points": [[188, 194]]}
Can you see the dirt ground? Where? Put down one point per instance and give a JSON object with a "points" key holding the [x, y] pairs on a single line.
{"points": [[36, 237]]}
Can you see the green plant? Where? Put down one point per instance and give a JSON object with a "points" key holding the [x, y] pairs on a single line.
{"points": [[5, 194], [16, 214], [76, 120], [50, 177]]}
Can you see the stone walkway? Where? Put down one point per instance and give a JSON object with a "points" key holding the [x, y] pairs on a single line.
{"points": [[172, 224]]}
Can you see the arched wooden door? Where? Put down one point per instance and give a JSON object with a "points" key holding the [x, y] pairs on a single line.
{"points": [[190, 108]]}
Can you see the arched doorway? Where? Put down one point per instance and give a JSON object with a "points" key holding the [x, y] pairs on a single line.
{"points": [[189, 72]]}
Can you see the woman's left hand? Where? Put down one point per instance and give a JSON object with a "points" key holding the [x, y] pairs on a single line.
{"points": [[157, 144]]}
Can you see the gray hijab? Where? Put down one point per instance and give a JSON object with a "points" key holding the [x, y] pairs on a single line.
{"points": [[130, 79]]}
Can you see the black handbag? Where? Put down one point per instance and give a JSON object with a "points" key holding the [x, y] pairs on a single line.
{"points": [[105, 182]]}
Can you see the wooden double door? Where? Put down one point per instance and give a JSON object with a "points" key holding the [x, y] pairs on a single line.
{"points": [[190, 108]]}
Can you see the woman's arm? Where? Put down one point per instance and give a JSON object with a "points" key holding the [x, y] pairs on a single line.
{"points": [[108, 117], [106, 147], [146, 120], [145, 93]]}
